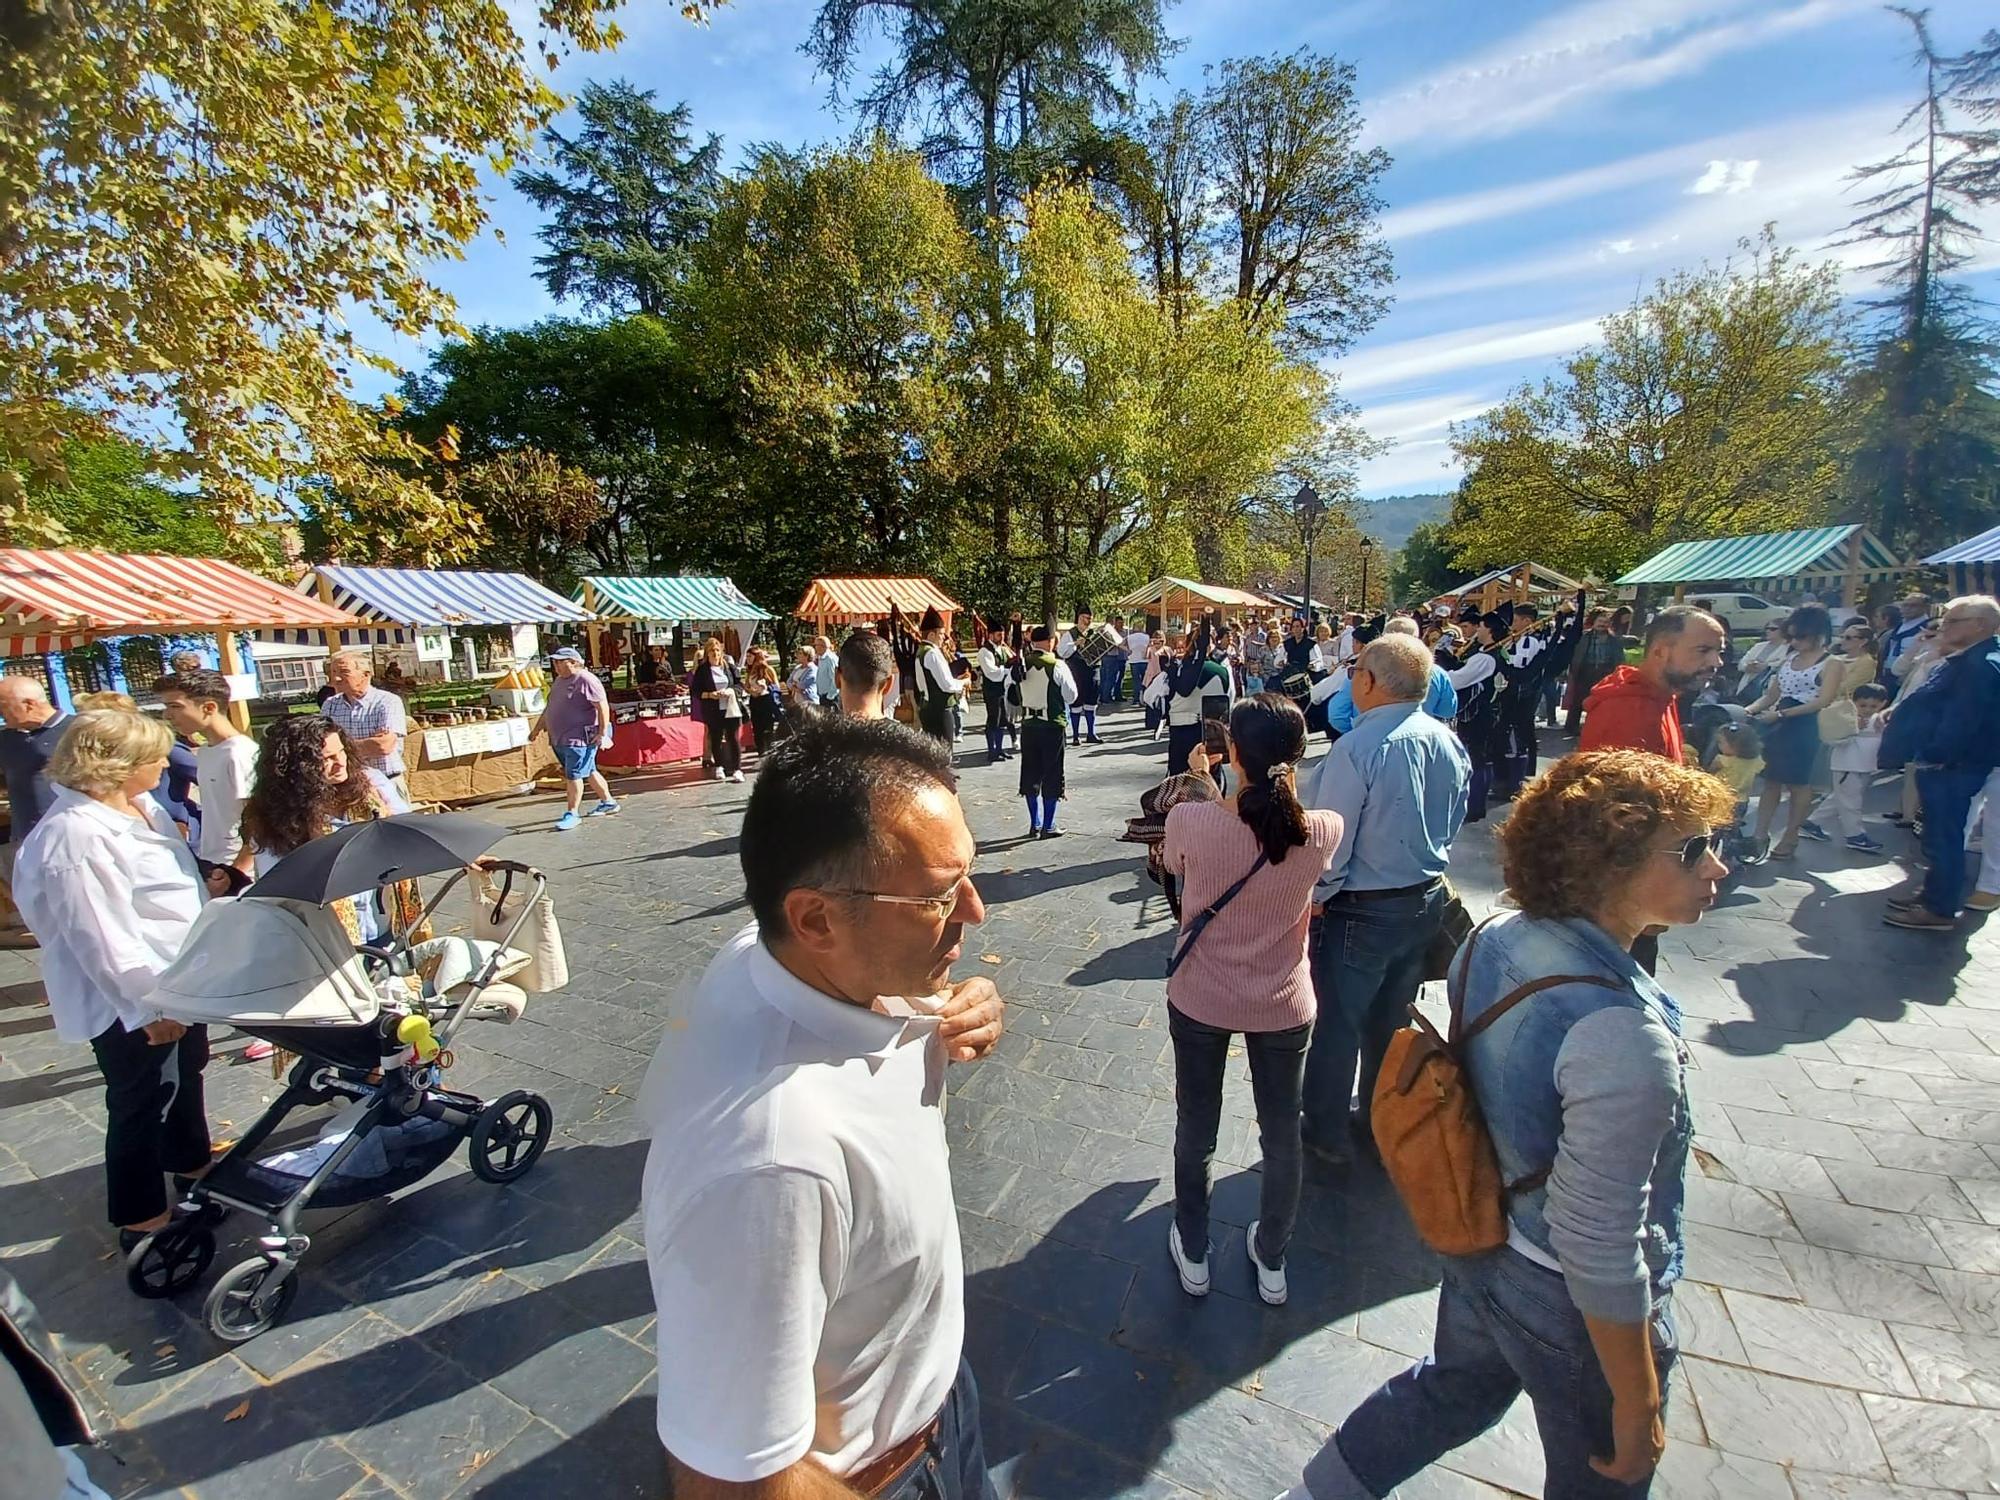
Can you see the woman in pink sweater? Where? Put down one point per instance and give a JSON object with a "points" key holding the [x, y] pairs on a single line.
{"points": [[1247, 867]]}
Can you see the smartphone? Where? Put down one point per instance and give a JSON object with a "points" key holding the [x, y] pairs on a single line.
{"points": [[1215, 738]]}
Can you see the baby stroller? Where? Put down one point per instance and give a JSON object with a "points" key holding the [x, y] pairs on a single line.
{"points": [[371, 1026]]}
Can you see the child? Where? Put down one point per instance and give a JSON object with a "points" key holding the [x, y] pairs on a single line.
{"points": [[1853, 761], [1738, 761]]}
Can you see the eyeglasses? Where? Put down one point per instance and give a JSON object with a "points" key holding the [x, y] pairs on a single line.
{"points": [[1691, 852], [942, 908]]}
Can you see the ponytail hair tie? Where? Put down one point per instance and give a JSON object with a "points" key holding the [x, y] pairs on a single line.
{"points": [[1278, 772]]}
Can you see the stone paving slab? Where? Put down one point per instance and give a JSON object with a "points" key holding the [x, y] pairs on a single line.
{"points": [[1841, 1324]]}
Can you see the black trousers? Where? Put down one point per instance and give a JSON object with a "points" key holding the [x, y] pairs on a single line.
{"points": [[1277, 1075], [1042, 759], [155, 1118], [725, 746], [763, 719]]}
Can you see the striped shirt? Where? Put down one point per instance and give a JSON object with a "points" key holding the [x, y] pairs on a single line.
{"points": [[375, 711], [1248, 972]]}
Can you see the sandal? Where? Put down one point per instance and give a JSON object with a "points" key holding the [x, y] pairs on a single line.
{"points": [[1783, 851]]}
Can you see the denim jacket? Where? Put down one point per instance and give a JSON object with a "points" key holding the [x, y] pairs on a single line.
{"points": [[1587, 1083]]}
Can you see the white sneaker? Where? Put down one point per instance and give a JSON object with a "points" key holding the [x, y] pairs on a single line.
{"points": [[735, 775], [1194, 1273], [1270, 1281], [720, 774]]}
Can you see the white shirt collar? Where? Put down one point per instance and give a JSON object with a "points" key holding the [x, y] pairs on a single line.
{"points": [[109, 817], [851, 1030]]}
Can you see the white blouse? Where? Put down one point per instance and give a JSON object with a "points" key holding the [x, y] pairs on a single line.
{"points": [[110, 903]]}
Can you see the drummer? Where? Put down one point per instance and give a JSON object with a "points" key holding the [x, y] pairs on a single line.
{"points": [[1083, 638], [111, 889]]}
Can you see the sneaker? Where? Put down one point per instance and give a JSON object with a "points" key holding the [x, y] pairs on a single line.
{"points": [[258, 1051], [1194, 1273], [567, 821], [1860, 843], [1052, 832], [604, 808], [735, 775], [1983, 901], [1812, 830], [1270, 1279], [720, 774], [1918, 919]]}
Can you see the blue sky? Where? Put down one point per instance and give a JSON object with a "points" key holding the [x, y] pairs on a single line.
{"points": [[1551, 159]]}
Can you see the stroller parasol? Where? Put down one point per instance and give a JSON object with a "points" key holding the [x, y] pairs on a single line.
{"points": [[363, 856]]}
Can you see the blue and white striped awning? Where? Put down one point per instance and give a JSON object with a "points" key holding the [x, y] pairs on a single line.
{"points": [[670, 598], [1818, 554], [1973, 564], [400, 603]]}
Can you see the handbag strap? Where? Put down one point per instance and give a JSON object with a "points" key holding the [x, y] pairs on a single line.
{"points": [[1207, 914], [500, 900]]}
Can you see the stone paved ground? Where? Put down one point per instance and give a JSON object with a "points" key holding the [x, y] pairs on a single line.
{"points": [[1842, 1327]]}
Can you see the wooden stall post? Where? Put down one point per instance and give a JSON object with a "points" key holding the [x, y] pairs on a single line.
{"points": [[232, 665], [593, 629]]}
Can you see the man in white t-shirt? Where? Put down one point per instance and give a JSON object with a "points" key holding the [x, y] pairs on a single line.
{"points": [[799, 1220], [196, 706]]}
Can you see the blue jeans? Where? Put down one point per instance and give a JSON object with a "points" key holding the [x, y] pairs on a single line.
{"points": [[1946, 793], [953, 1463], [1504, 1325], [1111, 677], [1367, 965]]}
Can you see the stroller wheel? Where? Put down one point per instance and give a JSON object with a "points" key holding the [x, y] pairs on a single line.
{"points": [[509, 1136], [255, 1295], [170, 1259]]}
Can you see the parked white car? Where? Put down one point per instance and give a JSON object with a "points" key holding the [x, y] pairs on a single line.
{"points": [[1744, 614]]}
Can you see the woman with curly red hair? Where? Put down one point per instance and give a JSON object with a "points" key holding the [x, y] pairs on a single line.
{"points": [[1582, 1088]]}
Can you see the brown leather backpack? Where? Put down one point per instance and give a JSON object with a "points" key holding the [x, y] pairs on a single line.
{"points": [[1433, 1139]]}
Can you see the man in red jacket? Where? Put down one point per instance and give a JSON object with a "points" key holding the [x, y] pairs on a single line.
{"points": [[1638, 708]]}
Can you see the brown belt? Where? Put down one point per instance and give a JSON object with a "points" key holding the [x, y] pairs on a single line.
{"points": [[875, 1477]]}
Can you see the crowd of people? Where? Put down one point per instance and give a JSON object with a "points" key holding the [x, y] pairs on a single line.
{"points": [[797, 1199]]}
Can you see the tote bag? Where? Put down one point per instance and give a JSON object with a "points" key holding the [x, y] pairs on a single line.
{"points": [[495, 908]]}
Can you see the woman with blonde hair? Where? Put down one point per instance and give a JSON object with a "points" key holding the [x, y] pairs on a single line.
{"points": [[111, 888], [718, 698], [1574, 1053]]}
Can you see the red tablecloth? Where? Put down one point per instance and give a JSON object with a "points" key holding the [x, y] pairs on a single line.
{"points": [[658, 742]]}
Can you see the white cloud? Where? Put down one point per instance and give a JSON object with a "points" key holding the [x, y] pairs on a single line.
{"points": [[1592, 49], [1409, 467], [1725, 176], [1460, 349], [1423, 416], [1620, 247]]}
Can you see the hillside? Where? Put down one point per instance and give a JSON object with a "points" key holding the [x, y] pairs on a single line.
{"points": [[1391, 519]]}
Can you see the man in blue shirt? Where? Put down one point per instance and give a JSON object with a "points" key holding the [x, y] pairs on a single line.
{"points": [[1399, 781]]}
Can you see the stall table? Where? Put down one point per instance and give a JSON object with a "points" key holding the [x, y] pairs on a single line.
{"points": [[483, 759], [666, 740]]}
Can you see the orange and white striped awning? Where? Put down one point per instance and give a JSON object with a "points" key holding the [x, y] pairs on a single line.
{"points": [[56, 600], [864, 600]]}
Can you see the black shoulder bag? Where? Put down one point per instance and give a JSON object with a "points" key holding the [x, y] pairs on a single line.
{"points": [[1207, 914]]}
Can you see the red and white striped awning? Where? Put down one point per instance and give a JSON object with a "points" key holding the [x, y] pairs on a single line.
{"points": [[57, 600]]}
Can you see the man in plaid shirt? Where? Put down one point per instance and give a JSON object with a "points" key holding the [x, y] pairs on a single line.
{"points": [[368, 715]]}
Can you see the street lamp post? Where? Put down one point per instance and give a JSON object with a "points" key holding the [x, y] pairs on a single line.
{"points": [[1367, 546], [1310, 508]]}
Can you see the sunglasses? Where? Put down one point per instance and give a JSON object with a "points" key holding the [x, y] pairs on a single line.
{"points": [[1692, 852]]}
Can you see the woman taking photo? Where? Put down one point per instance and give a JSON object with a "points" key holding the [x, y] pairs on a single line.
{"points": [[1246, 866], [1803, 683], [310, 781], [110, 887], [1582, 1087], [718, 694]]}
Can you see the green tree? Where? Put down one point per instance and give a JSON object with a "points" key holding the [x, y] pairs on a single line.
{"points": [[195, 199], [630, 195], [1930, 432], [110, 498], [1425, 566], [1714, 406], [535, 511]]}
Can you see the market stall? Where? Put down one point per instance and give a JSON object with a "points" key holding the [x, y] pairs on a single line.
{"points": [[1825, 560], [1517, 583], [56, 601], [863, 601], [653, 724], [455, 754], [1973, 565], [1172, 603]]}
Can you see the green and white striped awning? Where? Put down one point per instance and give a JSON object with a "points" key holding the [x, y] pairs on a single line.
{"points": [[670, 598], [1818, 555]]}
